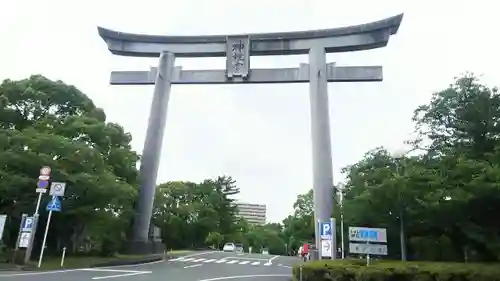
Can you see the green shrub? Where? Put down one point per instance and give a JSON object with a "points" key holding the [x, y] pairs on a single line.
{"points": [[356, 270]]}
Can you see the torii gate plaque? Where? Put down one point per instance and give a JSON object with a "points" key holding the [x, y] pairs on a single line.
{"points": [[238, 50]]}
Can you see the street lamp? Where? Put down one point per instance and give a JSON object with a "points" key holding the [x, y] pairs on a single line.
{"points": [[397, 155], [340, 190]]}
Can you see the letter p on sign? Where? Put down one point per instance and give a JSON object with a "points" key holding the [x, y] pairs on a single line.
{"points": [[326, 228]]}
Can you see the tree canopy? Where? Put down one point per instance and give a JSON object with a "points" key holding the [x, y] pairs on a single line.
{"points": [[50, 123], [447, 189]]}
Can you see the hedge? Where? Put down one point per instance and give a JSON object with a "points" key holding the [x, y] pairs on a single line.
{"points": [[356, 270]]}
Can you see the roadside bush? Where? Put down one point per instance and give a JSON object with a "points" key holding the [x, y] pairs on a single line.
{"points": [[356, 270]]}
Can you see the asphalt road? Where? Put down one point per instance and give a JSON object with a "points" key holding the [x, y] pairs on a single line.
{"points": [[200, 266]]}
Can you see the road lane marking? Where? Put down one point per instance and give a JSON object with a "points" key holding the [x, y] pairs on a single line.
{"points": [[221, 261], [271, 259], [121, 275], [285, 266], [255, 263], [38, 273], [188, 259], [244, 262], [210, 260], [256, 259], [246, 276], [267, 264], [111, 270], [231, 262], [191, 266], [198, 260]]}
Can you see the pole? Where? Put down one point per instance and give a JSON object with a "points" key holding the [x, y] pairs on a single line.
{"points": [[368, 255], [38, 202], [334, 237], [320, 136], [63, 256], [401, 222], [342, 224], [150, 160], [44, 239], [402, 236]]}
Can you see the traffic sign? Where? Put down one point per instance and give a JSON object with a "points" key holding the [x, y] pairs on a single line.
{"points": [[367, 234], [41, 190], [42, 184], [326, 248], [325, 230], [57, 188], [368, 249], [28, 224], [24, 240], [43, 177], [54, 204], [45, 171], [3, 218]]}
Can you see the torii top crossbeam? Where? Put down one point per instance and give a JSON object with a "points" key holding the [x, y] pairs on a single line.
{"points": [[344, 39]]}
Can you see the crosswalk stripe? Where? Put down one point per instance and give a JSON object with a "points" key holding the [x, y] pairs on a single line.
{"points": [[198, 260], [267, 264], [210, 260], [187, 259], [220, 261], [255, 263], [244, 262], [231, 262]]}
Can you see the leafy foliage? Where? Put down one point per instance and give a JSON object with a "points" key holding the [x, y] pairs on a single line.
{"points": [[448, 194]]}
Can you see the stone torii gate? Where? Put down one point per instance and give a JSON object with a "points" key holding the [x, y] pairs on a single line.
{"points": [[238, 50]]}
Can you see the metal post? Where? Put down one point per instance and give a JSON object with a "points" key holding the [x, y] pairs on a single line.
{"points": [[320, 135], [334, 239], [63, 256], [402, 236], [401, 221], [300, 272], [318, 238], [152, 146], [44, 239], [342, 224], [38, 202], [368, 255], [23, 218]]}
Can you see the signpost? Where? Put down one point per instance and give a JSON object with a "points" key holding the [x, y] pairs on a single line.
{"points": [[53, 206], [327, 238], [368, 235]]}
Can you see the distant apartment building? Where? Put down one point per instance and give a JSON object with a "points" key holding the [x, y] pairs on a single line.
{"points": [[253, 213]]}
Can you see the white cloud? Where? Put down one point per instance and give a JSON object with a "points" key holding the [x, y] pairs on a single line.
{"points": [[257, 134]]}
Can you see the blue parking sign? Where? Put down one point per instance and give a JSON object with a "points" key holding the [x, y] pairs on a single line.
{"points": [[326, 228], [28, 224]]}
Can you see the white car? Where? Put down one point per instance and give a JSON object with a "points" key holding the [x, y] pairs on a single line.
{"points": [[229, 247]]}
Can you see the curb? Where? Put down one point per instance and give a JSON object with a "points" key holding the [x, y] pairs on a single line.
{"points": [[128, 262]]}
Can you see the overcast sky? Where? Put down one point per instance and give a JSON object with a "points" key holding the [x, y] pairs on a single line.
{"points": [[258, 134]]}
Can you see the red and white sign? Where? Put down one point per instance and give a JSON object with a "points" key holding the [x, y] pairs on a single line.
{"points": [[45, 171]]}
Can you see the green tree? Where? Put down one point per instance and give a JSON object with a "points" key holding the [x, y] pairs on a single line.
{"points": [[44, 122]]}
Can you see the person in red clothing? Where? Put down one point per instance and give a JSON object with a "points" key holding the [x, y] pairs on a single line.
{"points": [[305, 252]]}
